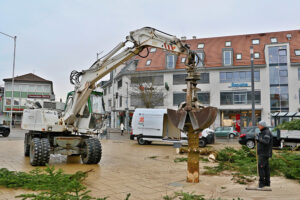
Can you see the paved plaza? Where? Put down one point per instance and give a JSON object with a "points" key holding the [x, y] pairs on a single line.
{"points": [[147, 172]]}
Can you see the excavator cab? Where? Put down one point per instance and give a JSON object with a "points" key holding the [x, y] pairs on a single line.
{"points": [[90, 120]]}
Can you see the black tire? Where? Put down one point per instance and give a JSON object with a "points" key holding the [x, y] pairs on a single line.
{"points": [[39, 151], [45, 151], [92, 151], [26, 146], [149, 142], [141, 141], [202, 143], [231, 136], [250, 144], [6, 133]]}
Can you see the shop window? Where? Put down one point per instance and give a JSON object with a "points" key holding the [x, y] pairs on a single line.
{"points": [[230, 98]]}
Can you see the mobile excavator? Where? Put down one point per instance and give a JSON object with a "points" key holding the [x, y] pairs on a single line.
{"points": [[72, 133]]}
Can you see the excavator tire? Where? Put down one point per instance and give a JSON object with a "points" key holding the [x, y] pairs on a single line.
{"points": [[45, 151], [26, 146], [92, 151], [39, 151]]}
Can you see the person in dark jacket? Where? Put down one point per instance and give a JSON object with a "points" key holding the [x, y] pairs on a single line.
{"points": [[264, 151]]}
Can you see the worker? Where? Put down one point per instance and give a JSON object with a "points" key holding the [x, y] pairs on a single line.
{"points": [[122, 128], [264, 151]]}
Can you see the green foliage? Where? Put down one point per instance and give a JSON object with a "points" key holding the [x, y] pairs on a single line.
{"points": [[188, 196], [180, 160], [291, 125], [243, 161], [53, 184]]}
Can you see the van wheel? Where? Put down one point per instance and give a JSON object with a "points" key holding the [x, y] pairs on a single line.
{"points": [[231, 136], [202, 143], [141, 141]]}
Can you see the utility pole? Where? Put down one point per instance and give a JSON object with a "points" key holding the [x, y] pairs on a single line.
{"points": [[127, 110], [252, 87], [13, 77]]}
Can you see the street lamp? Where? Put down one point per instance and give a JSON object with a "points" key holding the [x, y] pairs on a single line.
{"points": [[13, 77], [252, 87]]}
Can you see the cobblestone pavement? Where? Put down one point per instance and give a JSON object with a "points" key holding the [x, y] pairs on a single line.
{"points": [[147, 172]]}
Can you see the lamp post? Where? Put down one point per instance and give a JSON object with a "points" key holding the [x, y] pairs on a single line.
{"points": [[127, 110], [252, 87], [13, 77]]}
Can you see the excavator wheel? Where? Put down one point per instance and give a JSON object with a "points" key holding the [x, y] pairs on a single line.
{"points": [[39, 151], [92, 151]]}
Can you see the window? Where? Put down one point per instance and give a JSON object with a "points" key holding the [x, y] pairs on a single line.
{"points": [[170, 61], [179, 79], [201, 61], [242, 76], [204, 97], [152, 50], [148, 62], [256, 55], [200, 46], [239, 56], [273, 40], [178, 98], [120, 103], [104, 91], [183, 59], [230, 98], [109, 102], [299, 74], [228, 44], [109, 88], [283, 73], [204, 78], [255, 41], [227, 57], [297, 52], [155, 80], [282, 52], [119, 83]]}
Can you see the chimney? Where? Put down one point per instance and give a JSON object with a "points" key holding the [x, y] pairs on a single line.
{"points": [[183, 38], [194, 37]]}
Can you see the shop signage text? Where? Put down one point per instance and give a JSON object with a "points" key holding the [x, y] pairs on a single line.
{"points": [[233, 85], [39, 96]]}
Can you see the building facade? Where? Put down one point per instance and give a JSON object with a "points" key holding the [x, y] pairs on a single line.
{"points": [[28, 87], [225, 78]]}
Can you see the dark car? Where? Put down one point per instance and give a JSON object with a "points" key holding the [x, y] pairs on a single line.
{"points": [[4, 130], [248, 134]]}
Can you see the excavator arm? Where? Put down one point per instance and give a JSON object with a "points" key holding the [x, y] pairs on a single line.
{"points": [[141, 39]]}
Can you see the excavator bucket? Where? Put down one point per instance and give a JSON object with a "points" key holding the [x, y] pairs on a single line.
{"points": [[200, 119], [203, 118]]}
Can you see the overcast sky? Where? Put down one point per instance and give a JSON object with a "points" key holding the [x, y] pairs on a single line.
{"points": [[58, 36]]}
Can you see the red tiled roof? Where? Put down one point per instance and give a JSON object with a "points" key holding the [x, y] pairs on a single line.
{"points": [[213, 50], [28, 78]]}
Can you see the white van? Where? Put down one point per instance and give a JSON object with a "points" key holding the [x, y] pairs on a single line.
{"points": [[150, 125]]}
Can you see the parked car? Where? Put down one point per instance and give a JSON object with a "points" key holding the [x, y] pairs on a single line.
{"points": [[248, 134], [225, 131], [4, 130]]}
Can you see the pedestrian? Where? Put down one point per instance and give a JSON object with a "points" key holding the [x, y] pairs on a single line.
{"points": [[122, 128], [264, 152]]}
